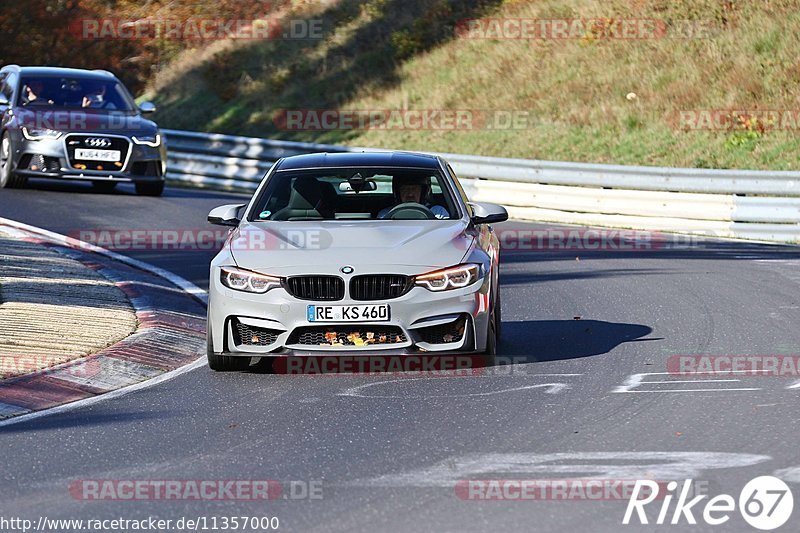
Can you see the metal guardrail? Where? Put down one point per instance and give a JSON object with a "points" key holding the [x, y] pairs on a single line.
{"points": [[763, 205]]}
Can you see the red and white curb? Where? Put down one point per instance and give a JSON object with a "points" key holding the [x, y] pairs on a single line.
{"points": [[170, 339]]}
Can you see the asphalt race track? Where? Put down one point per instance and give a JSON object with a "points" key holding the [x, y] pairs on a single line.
{"points": [[388, 451]]}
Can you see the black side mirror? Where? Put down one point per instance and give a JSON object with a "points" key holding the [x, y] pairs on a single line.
{"points": [[486, 213]]}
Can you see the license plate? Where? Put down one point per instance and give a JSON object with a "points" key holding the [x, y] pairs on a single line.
{"points": [[97, 155], [348, 313]]}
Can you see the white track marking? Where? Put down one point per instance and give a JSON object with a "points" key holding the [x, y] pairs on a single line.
{"points": [[357, 391], [689, 390], [595, 465], [688, 381], [184, 284], [790, 475], [635, 380]]}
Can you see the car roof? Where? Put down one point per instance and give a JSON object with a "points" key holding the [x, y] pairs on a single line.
{"points": [[63, 71], [359, 159]]}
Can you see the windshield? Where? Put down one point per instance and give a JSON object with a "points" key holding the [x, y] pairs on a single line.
{"points": [[74, 93], [355, 194]]}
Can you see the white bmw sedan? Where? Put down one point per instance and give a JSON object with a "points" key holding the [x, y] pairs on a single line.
{"points": [[355, 253]]}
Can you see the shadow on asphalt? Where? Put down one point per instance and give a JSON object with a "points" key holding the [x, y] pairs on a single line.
{"points": [[526, 278], [531, 341], [84, 418]]}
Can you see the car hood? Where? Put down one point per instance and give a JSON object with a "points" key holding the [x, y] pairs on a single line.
{"points": [[89, 121], [285, 248]]}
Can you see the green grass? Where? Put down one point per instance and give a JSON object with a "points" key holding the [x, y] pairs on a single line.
{"points": [[394, 54]]}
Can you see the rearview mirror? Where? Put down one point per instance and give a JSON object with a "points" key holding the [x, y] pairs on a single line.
{"points": [[369, 185], [486, 213], [226, 215], [147, 107]]}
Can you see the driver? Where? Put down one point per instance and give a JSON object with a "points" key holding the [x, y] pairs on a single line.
{"points": [[416, 189], [33, 91]]}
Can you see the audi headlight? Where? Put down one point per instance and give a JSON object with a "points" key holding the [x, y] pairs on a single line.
{"points": [[244, 280], [148, 141], [37, 134], [446, 279]]}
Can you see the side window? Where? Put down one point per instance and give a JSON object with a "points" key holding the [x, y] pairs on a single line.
{"points": [[460, 189], [8, 85], [3, 76]]}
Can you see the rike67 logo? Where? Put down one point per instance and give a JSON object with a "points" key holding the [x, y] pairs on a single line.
{"points": [[765, 503]]}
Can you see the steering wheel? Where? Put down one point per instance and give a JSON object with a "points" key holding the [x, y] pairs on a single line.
{"points": [[410, 211]]}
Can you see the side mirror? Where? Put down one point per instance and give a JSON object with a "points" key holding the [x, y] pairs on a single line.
{"points": [[147, 107], [3, 100], [226, 215], [486, 213]]}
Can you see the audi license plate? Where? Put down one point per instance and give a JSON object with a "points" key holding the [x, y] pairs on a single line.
{"points": [[348, 313], [85, 154]]}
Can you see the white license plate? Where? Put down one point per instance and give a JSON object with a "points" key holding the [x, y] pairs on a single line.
{"points": [[85, 154], [348, 313]]}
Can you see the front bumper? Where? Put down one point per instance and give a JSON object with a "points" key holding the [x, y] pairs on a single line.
{"points": [[47, 158], [457, 317]]}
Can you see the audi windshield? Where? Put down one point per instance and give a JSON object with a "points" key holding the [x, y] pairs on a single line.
{"points": [[74, 93]]}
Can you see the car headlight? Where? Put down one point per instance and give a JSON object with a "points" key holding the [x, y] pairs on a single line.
{"points": [[446, 279], [37, 134], [244, 280], [148, 141]]}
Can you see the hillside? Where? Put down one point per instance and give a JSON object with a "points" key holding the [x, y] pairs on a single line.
{"points": [[596, 94]]}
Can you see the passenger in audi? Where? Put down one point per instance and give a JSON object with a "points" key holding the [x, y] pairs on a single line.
{"points": [[94, 99]]}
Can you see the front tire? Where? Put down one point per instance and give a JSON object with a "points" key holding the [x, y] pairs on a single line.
{"points": [[6, 174], [490, 351], [498, 313], [150, 188]]}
